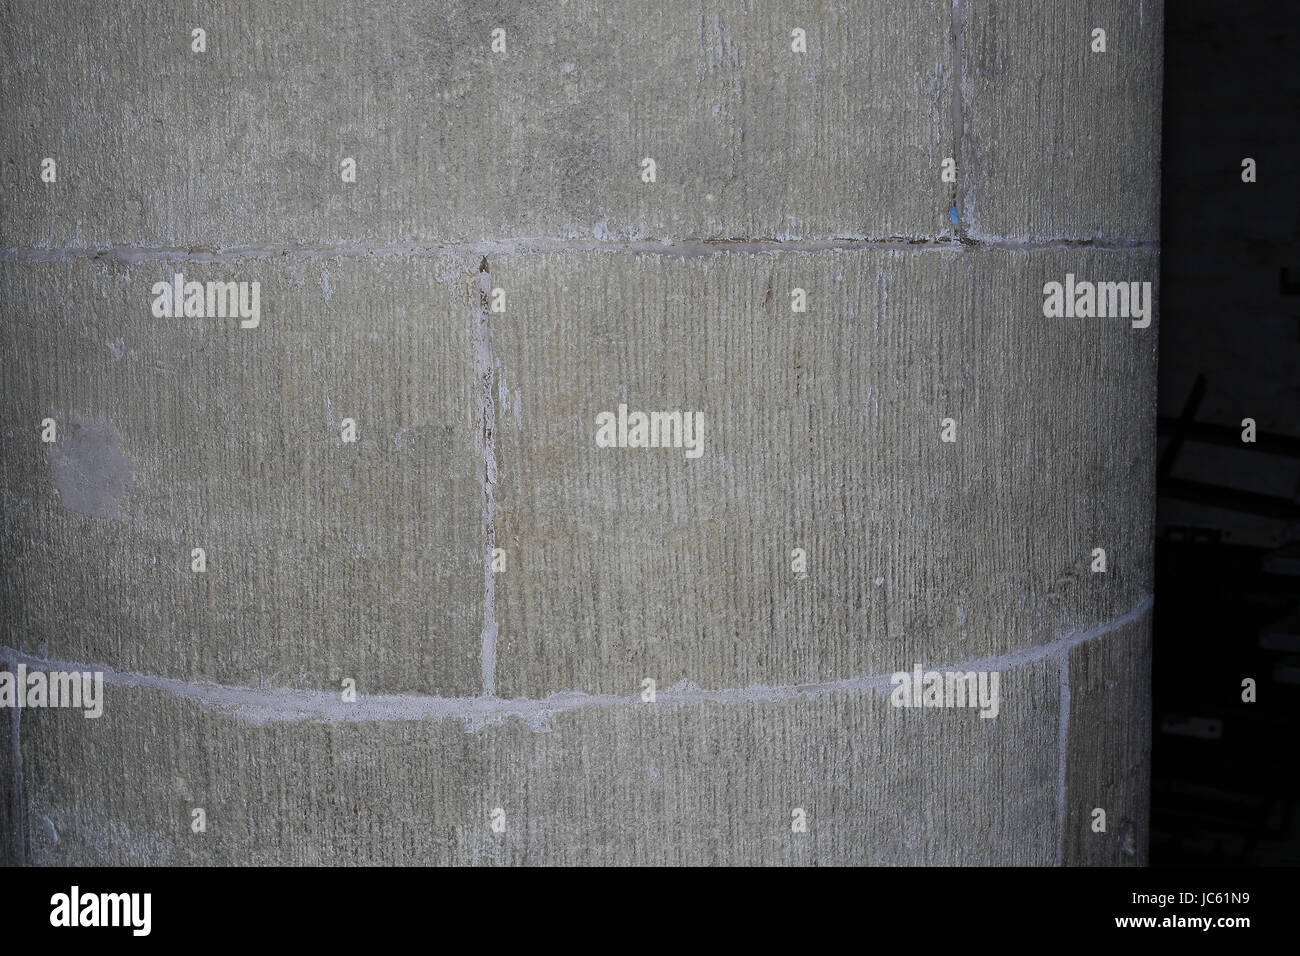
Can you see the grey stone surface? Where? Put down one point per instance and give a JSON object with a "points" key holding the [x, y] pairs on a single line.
{"points": [[639, 785], [1061, 141], [1109, 763], [325, 560], [242, 144], [821, 432], [329, 561], [10, 797]]}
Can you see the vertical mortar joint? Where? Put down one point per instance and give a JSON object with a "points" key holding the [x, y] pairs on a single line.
{"points": [[480, 297]]}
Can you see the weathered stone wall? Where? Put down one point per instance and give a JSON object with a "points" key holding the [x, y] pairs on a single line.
{"points": [[500, 714]]}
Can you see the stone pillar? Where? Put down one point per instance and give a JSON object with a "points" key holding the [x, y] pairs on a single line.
{"points": [[419, 262]]}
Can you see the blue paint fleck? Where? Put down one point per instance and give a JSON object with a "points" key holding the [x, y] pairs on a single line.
{"points": [[952, 214]]}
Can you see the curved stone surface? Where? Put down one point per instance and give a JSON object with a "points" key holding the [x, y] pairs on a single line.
{"points": [[562, 652]]}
